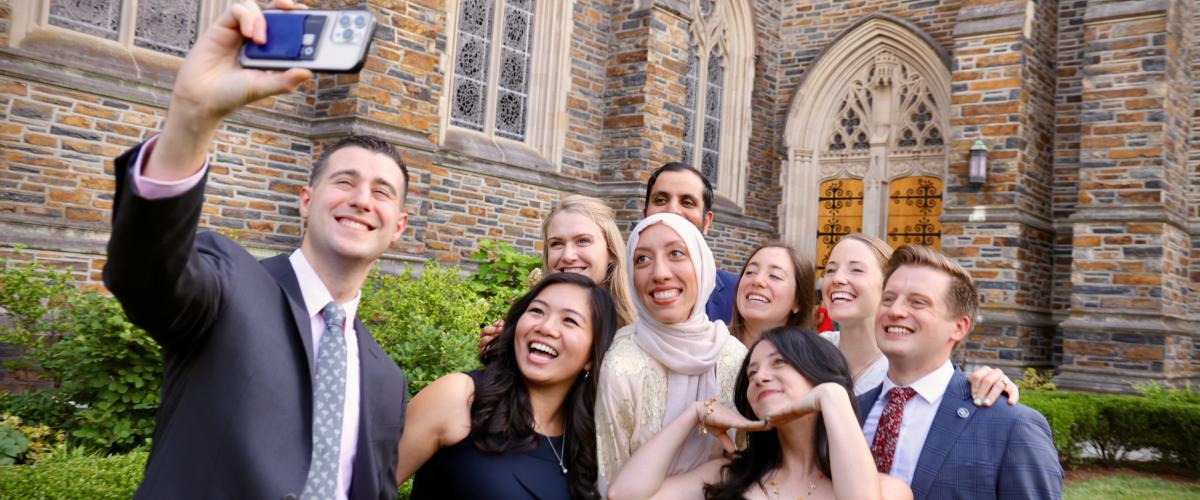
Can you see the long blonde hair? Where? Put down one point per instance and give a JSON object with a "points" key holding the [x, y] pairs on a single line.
{"points": [[614, 277]]}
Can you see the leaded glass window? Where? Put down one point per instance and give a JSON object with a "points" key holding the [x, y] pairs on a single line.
{"points": [[492, 67], [471, 64], [100, 18], [166, 26], [712, 117], [689, 108]]}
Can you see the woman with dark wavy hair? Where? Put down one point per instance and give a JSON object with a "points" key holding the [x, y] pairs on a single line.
{"points": [[522, 426], [793, 394]]}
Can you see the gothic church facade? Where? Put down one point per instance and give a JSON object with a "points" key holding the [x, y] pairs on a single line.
{"points": [[813, 119]]}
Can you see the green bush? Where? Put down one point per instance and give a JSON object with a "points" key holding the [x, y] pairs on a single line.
{"points": [[43, 441], [13, 444], [74, 475], [1164, 392], [106, 372], [428, 324], [1115, 424], [503, 275]]}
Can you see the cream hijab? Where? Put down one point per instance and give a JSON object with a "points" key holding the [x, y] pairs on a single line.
{"points": [[690, 349]]}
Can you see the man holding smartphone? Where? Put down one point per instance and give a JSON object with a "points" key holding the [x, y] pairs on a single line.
{"points": [[271, 388]]}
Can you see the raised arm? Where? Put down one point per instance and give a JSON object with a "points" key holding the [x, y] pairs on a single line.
{"points": [[438, 416], [167, 285], [211, 85], [645, 474], [850, 462]]}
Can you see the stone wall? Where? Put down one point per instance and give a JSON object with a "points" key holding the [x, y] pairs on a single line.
{"points": [[1085, 240]]}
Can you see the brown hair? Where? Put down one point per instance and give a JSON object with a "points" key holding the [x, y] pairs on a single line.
{"points": [[963, 296], [614, 277], [805, 275], [369, 143]]}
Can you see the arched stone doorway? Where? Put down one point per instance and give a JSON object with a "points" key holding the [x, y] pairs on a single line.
{"points": [[866, 141]]}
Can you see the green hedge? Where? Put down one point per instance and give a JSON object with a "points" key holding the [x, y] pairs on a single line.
{"points": [[90, 477], [1115, 424]]}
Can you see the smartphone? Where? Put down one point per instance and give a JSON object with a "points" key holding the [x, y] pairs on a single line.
{"points": [[334, 41]]}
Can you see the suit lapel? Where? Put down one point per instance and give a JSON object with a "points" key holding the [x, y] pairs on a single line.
{"points": [[943, 433], [865, 402], [363, 478], [280, 268]]}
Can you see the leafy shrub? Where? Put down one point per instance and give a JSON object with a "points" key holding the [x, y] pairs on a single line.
{"points": [[502, 275], [1114, 424], [13, 444], [1031, 379], [1164, 392], [428, 324], [43, 441], [74, 475], [106, 372]]}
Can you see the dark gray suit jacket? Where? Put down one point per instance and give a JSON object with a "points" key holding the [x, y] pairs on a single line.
{"points": [[997, 452], [236, 413]]}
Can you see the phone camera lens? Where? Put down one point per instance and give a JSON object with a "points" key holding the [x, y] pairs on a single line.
{"points": [[348, 34], [344, 21], [360, 21]]}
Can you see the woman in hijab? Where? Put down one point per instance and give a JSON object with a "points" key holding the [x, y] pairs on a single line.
{"points": [[671, 356]]}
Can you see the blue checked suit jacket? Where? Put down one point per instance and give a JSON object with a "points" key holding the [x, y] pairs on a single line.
{"points": [[997, 452]]}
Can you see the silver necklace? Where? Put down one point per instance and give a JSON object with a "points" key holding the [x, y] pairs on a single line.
{"points": [[556, 453]]}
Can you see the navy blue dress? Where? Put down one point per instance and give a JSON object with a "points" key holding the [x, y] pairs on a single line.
{"points": [[462, 471]]}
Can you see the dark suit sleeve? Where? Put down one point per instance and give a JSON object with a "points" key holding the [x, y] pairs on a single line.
{"points": [[163, 282], [1030, 468]]}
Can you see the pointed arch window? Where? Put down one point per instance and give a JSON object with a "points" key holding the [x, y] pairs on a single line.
{"points": [[507, 82], [716, 116]]}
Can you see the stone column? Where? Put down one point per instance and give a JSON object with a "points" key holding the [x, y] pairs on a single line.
{"points": [[1130, 249], [1001, 231], [643, 125]]}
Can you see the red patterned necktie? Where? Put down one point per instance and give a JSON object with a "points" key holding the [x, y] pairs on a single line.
{"points": [[883, 447]]}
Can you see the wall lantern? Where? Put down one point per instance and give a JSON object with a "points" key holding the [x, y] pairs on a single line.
{"points": [[978, 166]]}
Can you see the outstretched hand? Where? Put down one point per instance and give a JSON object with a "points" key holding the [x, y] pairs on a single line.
{"points": [[718, 419], [211, 85], [211, 80]]}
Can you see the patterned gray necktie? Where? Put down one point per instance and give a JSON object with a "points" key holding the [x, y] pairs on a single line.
{"points": [[329, 395]]}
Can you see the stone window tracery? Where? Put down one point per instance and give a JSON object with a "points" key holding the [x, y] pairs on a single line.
{"points": [[491, 76], [163, 26], [507, 80], [719, 77]]}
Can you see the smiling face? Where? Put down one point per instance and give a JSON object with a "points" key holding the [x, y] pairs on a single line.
{"points": [[576, 244], [354, 210], [766, 293], [663, 275], [915, 327], [853, 281], [681, 193], [773, 382], [553, 341]]}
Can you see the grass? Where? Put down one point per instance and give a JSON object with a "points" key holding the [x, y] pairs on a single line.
{"points": [[1131, 487]]}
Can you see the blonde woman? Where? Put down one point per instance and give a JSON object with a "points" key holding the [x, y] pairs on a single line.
{"points": [[579, 235]]}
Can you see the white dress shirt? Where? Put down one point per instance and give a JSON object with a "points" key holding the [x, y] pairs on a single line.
{"points": [[316, 296], [917, 417]]}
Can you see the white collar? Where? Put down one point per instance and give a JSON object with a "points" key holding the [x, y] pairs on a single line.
{"points": [[316, 296], [931, 387]]}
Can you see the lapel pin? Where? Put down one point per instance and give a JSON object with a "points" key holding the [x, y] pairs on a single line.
{"points": [[963, 413]]}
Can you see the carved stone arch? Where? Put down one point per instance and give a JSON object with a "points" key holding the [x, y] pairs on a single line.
{"points": [[875, 51]]}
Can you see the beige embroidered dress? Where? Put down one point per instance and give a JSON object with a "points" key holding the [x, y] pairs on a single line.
{"points": [[632, 399]]}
